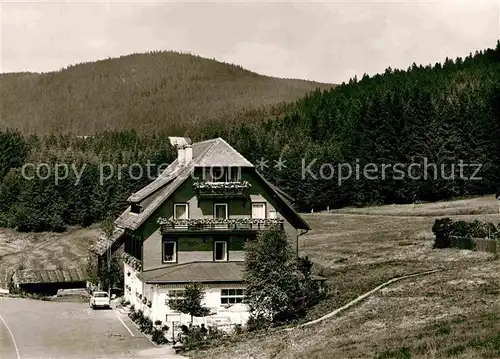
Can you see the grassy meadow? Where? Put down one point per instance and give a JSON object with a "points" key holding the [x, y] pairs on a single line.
{"points": [[454, 313]]}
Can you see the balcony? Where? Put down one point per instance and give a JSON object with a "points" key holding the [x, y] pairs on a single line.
{"points": [[211, 225], [222, 189]]}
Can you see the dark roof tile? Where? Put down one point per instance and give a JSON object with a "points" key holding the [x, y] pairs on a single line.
{"points": [[203, 272]]}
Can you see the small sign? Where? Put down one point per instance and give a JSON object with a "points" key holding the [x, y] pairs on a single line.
{"points": [[173, 318]]}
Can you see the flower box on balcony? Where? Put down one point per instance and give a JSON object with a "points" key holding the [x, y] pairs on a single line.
{"points": [[216, 224], [222, 189]]}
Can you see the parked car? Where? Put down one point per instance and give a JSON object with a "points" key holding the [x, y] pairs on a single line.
{"points": [[99, 300]]}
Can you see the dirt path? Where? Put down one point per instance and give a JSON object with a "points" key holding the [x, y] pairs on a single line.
{"points": [[365, 295]]}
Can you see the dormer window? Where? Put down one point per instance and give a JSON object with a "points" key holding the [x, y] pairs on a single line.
{"points": [[135, 208]]}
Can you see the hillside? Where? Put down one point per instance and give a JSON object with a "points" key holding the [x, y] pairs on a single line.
{"points": [[147, 92], [397, 137], [453, 313]]}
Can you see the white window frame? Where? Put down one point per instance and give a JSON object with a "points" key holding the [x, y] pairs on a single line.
{"points": [[174, 259], [273, 214], [225, 251], [222, 178], [231, 174], [181, 204], [238, 298], [265, 210], [221, 204]]}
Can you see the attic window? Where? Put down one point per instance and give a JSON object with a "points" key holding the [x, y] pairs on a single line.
{"points": [[135, 208]]}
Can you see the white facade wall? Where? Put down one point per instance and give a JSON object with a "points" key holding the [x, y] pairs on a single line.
{"points": [[225, 317], [135, 285]]}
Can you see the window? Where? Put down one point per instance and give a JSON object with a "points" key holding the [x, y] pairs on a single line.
{"points": [[101, 295], [232, 296], [234, 174], [169, 251], [181, 211], [222, 174], [258, 210], [272, 214], [220, 211], [220, 251], [218, 174], [175, 295]]}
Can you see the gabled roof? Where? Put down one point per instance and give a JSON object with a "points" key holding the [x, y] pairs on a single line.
{"points": [[203, 272], [221, 154], [133, 220], [102, 245], [209, 153], [166, 176], [289, 212]]}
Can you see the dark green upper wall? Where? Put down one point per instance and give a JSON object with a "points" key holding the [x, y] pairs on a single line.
{"points": [[237, 208]]}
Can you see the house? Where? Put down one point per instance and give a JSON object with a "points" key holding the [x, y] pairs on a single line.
{"points": [[190, 225]]}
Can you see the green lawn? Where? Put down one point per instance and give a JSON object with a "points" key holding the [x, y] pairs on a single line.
{"points": [[448, 314]]}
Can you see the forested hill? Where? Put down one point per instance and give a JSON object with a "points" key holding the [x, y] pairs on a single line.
{"points": [[441, 116], [166, 91]]}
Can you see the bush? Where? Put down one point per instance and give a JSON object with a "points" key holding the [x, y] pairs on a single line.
{"points": [[461, 234], [215, 334], [146, 325], [258, 322], [442, 230], [133, 316], [278, 284], [238, 329], [195, 339], [158, 337], [158, 322]]}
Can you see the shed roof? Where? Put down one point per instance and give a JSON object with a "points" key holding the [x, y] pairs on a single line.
{"points": [[28, 276]]}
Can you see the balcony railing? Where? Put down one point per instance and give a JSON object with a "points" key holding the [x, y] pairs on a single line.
{"points": [[210, 224], [222, 189]]}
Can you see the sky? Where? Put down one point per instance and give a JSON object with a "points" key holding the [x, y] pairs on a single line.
{"points": [[322, 41]]}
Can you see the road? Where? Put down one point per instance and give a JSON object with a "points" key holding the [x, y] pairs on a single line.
{"points": [[33, 329]]}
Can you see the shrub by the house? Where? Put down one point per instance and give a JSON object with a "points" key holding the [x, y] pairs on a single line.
{"points": [[279, 286], [191, 303]]}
